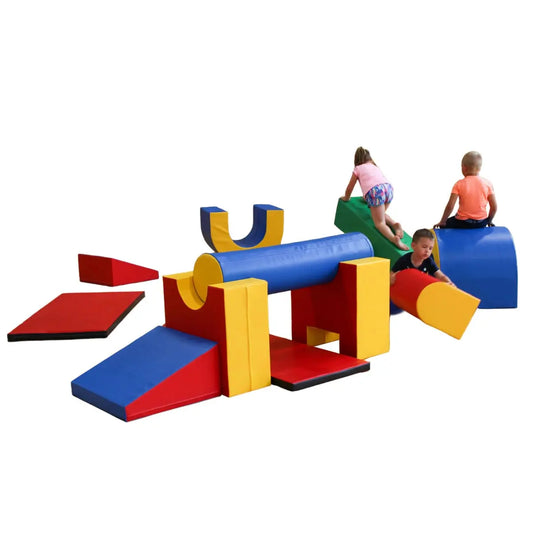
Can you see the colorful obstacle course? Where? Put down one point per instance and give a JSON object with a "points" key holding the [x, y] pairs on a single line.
{"points": [[267, 228], [339, 291], [77, 316], [233, 314], [354, 215], [216, 338], [112, 272], [481, 262]]}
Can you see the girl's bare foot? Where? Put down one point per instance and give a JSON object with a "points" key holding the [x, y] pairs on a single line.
{"points": [[399, 244], [398, 230]]}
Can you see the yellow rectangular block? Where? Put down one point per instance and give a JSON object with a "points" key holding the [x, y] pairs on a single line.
{"points": [[247, 335], [373, 306], [318, 336]]}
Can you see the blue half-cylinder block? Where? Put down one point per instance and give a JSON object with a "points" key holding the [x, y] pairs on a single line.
{"points": [[296, 265], [481, 262], [257, 233], [119, 380]]}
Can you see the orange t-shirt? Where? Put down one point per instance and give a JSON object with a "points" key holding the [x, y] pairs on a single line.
{"points": [[473, 192]]}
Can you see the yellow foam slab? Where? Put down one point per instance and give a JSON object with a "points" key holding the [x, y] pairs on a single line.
{"points": [[446, 308], [318, 336], [247, 335], [373, 306]]}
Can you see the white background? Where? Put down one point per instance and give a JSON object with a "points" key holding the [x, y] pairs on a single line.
{"points": [[119, 120]]}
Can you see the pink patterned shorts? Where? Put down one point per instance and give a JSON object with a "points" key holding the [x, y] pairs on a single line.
{"points": [[379, 195]]}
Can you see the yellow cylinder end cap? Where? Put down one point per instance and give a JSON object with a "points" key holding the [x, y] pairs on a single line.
{"points": [[206, 272]]}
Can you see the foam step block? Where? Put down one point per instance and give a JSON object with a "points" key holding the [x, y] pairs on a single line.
{"points": [[267, 228], [353, 307], [481, 262], [235, 316], [354, 215], [112, 272], [296, 366], [81, 315], [161, 370], [436, 303]]}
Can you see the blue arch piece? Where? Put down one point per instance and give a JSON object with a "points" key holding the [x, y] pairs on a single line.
{"points": [[295, 265], [481, 262], [259, 225]]}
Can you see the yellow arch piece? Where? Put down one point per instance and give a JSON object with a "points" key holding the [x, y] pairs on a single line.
{"points": [[187, 291], [267, 230]]}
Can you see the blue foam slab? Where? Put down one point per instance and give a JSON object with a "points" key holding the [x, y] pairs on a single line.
{"points": [[131, 372], [481, 262]]}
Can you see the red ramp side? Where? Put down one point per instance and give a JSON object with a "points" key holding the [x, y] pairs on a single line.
{"points": [[112, 272]]}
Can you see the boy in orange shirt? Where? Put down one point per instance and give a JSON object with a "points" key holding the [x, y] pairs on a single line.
{"points": [[474, 193]]}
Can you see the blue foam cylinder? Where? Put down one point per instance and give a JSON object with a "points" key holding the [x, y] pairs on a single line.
{"points": [[481, 262], [295, 265]]}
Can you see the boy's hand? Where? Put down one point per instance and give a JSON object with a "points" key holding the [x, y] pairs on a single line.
{"points": [[393, 278]]}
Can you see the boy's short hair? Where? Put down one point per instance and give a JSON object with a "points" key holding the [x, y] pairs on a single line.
{"points": [[472, 161], [422, 234]]}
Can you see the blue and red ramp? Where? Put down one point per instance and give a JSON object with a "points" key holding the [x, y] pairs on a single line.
{"points": [[161, 370]]}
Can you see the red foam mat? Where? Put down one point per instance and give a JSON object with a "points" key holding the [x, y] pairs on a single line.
{"points": [[296, 366], [79, 315]]}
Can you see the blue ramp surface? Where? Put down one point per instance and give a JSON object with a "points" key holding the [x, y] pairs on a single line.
{"points": [[164, 368]]}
